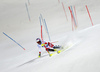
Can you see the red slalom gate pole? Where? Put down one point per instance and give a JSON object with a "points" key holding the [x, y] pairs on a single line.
{"points": [[41, 34], [59, 1], [89, 15], [71, 18], [72, 23], [42, 39], [64, 11]]}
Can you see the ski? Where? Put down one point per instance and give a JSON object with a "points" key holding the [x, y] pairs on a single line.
{"points": [[52, 54], [59, 51]]}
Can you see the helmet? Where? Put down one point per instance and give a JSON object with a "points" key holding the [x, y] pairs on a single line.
{"points": [[38, 39]]}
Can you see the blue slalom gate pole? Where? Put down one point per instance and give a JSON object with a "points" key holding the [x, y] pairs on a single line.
{"points": [[41, 18], [28, 2], [13, 40], [43, 22], [47, 29], [27, 11], [40, 21], [45, 25], [73, 16]]}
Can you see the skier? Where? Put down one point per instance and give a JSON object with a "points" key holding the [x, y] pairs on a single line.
{"points": [[47, 45]]}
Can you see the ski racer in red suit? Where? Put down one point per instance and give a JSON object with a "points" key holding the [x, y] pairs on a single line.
{"points": [[47, 45]]}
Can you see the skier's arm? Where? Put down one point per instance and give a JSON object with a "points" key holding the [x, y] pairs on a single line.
{"points": [[44, 43]]}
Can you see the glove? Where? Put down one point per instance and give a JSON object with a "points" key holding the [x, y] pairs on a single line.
{"points": [[39, 54], [42, 44]]}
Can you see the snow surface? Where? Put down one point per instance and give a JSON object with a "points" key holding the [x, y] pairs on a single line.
{"points": [[84, 56]]}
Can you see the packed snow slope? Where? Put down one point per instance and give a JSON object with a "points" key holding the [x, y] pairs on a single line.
{"points": [[84, 56]]}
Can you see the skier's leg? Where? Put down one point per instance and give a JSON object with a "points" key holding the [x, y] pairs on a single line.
{"points": [[55, 47], [50, 44], [50, 49]]}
